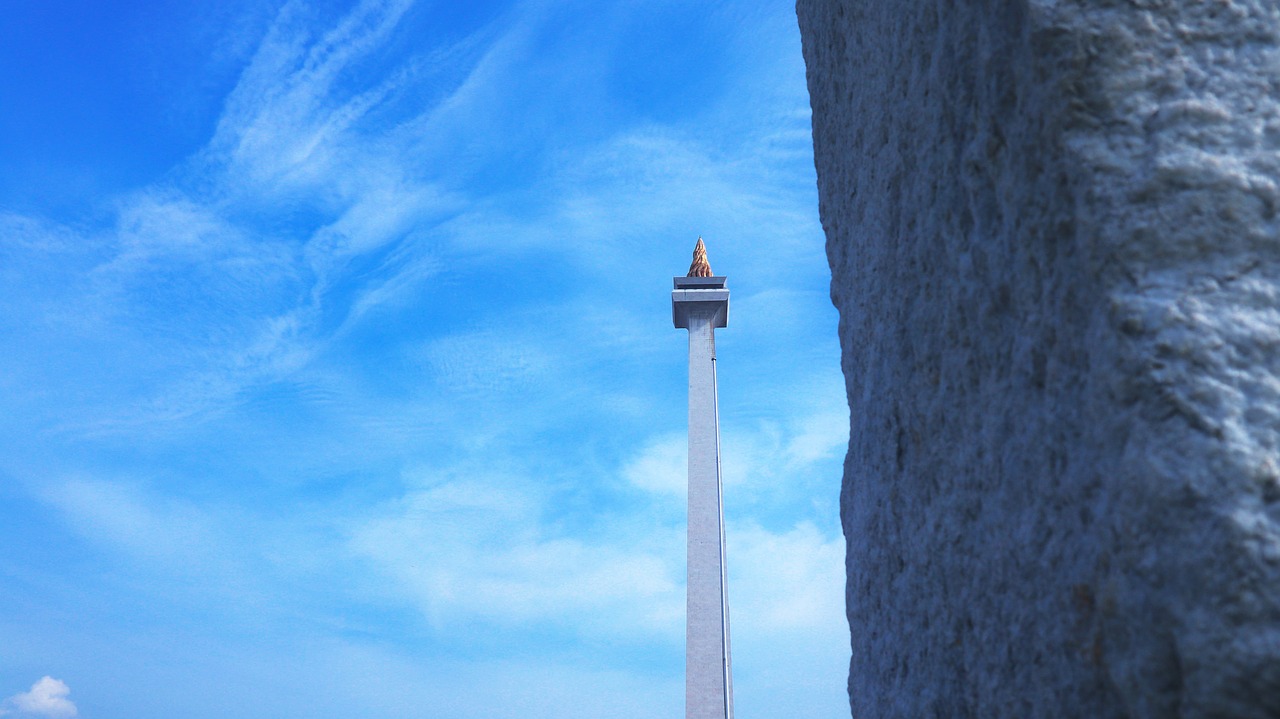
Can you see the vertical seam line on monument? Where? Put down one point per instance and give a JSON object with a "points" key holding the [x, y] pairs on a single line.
{"points": [[724, 565]]}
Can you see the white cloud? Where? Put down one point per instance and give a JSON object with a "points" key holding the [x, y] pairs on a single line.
{"points": [[476, 549], [790, 637], [662, 466], [820, 437], [763, 457], [166, 530], [786, 582], [47, 699], [771, 454], [486, 548]]}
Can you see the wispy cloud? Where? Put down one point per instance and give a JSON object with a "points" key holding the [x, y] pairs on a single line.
{"points": [[467, 550], [758, 459], [286, 117], [786, 584], [472, 548], [661, 467], [176, 532], [468, 544]]}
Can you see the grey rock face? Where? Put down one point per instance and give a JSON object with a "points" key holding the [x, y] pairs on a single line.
{"points": [[1053, 234]]}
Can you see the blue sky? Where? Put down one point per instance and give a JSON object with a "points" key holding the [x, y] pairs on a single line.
{"points": [[337, 374]]}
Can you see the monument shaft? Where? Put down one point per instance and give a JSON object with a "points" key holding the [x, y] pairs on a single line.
{"points": [[708, 682], [700, 304]]}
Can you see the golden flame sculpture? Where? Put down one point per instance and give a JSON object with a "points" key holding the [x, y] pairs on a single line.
{"points": [[700, 266]]}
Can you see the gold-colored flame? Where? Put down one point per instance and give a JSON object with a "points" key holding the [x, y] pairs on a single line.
{"points": [[700, 266]]}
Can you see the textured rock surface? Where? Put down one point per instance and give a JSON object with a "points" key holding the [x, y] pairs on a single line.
{"points": [[1053, 237]]}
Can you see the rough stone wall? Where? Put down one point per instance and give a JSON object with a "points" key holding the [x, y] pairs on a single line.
{"points": [[1052, 232]]}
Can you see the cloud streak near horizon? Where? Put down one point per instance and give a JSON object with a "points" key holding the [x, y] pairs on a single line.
{"points": [[371, 402]]}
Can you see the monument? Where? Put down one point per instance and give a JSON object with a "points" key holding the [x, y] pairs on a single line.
{"points": [[700, 304]]}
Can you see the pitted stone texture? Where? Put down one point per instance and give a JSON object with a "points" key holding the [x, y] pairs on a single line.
{"points": [[1052, 231]]}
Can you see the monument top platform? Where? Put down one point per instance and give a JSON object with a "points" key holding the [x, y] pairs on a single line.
{"points": [[699, 283]]}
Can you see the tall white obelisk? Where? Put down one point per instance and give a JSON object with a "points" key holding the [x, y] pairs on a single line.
{"points": [[700, 304]]}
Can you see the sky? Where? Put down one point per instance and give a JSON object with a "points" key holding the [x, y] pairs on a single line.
{"points": [[337, 372]]}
